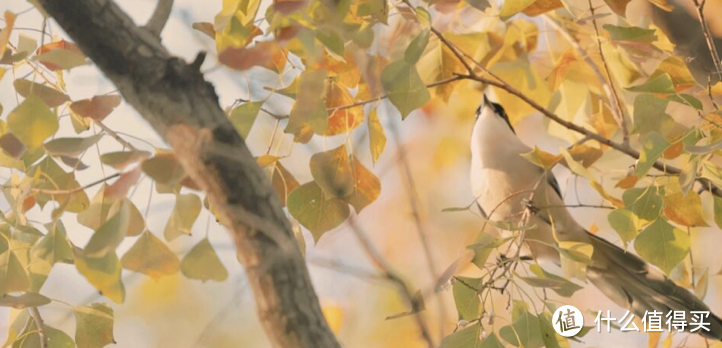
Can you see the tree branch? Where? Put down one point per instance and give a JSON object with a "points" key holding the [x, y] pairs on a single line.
{"points": [[160, 16], [708, 37], [183, 108], [35, 314]]}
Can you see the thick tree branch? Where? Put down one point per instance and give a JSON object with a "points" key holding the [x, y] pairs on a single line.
{"points": [[183, 108], [160, 16]]}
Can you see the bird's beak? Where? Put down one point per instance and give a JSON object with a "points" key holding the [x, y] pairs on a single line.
{"points": [[485, 100]]}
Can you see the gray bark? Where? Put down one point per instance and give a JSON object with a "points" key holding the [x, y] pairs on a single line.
{"points": [[183, 108]]}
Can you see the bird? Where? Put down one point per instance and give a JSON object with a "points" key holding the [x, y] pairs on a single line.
{"points": [[506, 185]]}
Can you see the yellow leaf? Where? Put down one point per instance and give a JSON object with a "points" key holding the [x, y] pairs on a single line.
{"points": [[315, 210], [185, 212], [678, 72], [334, 317], [5, 33], [32, 122], [684, 210], [94, 325], [203, 263], [559, 73], [332, 171], [150, 256], [366, 186], [103, 273], [343, 120], [587, 155], [512, 7], [542, 6], [377, 138], [542, 158], [653, 338]]}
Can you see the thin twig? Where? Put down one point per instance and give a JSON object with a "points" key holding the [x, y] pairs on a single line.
{"points": [[358, 103], [115, 135], [35, 314], [609, 89], [708, 37], [160, 17], [392, 276], [77, 189]]}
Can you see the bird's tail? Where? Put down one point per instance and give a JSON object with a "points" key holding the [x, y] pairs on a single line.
{"points": [[635, 285]]}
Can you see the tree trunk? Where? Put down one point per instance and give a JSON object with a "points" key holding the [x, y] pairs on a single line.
{"points": [[183, 108]]}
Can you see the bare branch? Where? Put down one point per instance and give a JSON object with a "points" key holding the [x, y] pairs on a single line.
{"points": [[708, 37], [159, 17], [115, 136], [35, 314], [392, 276]]}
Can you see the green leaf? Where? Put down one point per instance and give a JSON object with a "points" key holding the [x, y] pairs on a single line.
{"points": [[332, 41], [136, 224], [333, 172], [97, 213], [243, 117], [94, 326], [203, 263], [185, 212], [718, 211], [510, 8], [661, 84], [62, 58], [309, 114], [103, 273], [686, 99], [377, 138], [630, 34], [653, 146], [110, 234], [150, 256], [32, 122], [549, 336], [164, 169], [366, 186], [71, 147], [315, 210], [525, 328], [649, 115], [417, 47], [404, 87], [662, 245], [625, 223], [54, 246], [12, 273], [31, 338], [50, 96], [121, 159], [644, 202], [28, 299], [466, 297], [470, 337]]}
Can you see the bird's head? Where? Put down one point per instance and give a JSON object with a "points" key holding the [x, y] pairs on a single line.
{"points": [[492, 110]]}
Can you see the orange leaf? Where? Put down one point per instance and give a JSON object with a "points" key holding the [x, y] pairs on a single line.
{"points": [[61, 45], [96, 108], [5, 33], [121, 186], [245, 58], [342, 120], [205, 28]]}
